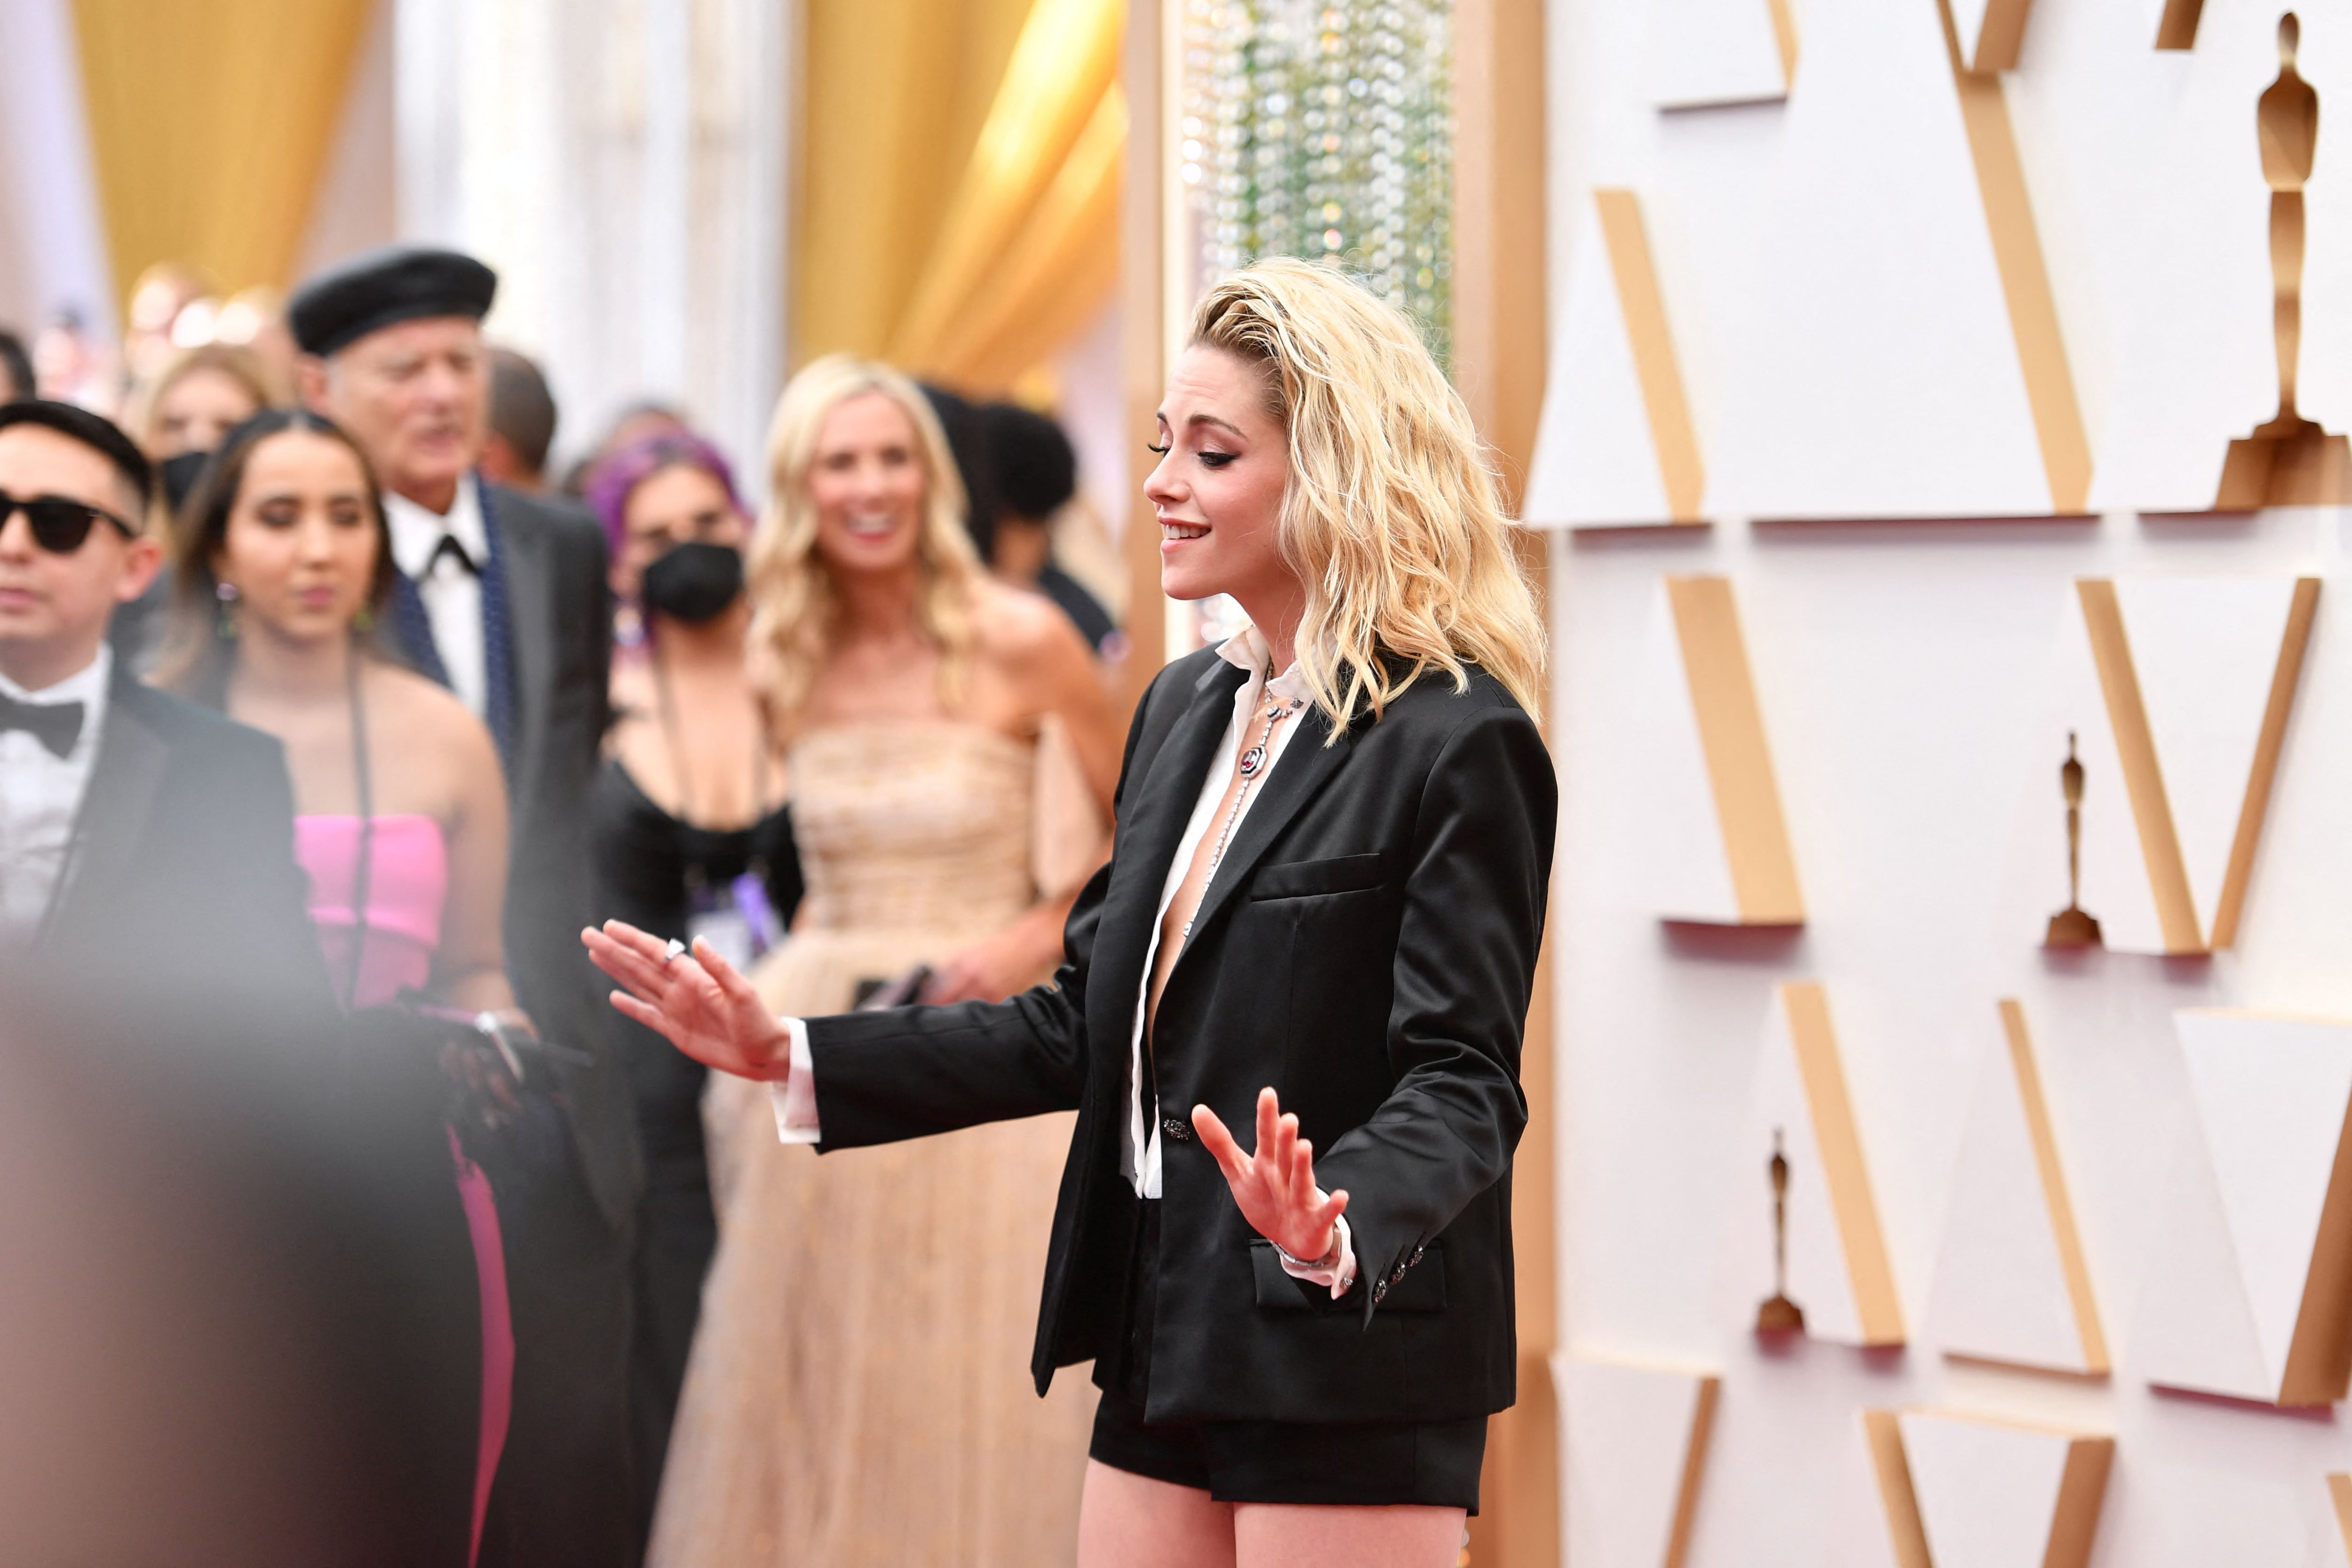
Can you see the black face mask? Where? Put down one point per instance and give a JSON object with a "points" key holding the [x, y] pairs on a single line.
{"points": [[694, 581]]}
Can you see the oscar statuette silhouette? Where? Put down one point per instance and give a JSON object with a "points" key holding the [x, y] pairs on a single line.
{"points": [[2072, 926], [1779, 1315]]}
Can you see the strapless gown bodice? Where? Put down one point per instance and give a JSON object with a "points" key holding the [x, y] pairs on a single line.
{"points": [[913, 825], [408, 883]]}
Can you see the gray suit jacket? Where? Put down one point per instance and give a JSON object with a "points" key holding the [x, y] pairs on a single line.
{"points": [[560, 615]]}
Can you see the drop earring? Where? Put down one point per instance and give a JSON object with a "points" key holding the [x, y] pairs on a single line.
{"points": [[225, 592]]}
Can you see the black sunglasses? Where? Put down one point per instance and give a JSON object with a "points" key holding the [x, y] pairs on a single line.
{"points": [[59, 524]]}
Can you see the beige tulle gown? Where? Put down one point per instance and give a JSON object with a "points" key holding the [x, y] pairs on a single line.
{"points": [[859, 1389]]}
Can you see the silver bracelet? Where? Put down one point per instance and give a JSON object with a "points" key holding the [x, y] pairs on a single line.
{"points": [[1330, 1258]]}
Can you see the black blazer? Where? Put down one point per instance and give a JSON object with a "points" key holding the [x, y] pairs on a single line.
{"points": [[181, 881], [1368, 948], [559, 612]]}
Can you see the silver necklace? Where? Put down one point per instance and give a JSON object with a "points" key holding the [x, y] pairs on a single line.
{"points": [[1253, 764]]}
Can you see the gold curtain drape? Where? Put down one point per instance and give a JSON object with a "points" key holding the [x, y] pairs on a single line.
{"points": [[963, 247], [210, 121]]}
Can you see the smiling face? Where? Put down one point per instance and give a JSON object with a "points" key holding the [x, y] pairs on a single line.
{"points": [[415, 396], [1217, 492], [195, 411], [302, 539], [54, 609], [867, 485], [681, 504]]}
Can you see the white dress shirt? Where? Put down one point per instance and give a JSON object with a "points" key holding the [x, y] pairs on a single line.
{"points": [[41, 794], [452, 596], [795, 1099]]}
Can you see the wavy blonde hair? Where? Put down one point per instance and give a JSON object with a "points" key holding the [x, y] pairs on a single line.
{"points": [[1391, 517], [796, 604]]}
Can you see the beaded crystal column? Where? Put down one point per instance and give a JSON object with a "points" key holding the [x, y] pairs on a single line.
{"points": [[1324, 130]]}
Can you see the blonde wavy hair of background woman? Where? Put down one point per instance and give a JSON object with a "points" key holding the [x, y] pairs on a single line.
{"points": [[1391, 517], [797, 603]]}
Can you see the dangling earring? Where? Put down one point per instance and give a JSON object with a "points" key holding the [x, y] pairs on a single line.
{"points": [[225, 592], [364, 622]]}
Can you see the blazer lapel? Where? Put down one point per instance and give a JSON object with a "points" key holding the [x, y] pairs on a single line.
{"points": [[530, 601], [1305, 764], [111, 826], [1153, 825]]}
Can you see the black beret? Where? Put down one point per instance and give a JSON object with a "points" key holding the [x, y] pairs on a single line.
{"points": [[379, 288]]}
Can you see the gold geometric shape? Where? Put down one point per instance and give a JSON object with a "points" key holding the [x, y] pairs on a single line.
{"points": [[2053, 1186], [1838, 1138], [2017, 253], [2160, 844], [2000, 29], [2339, 1492], [2176, 28], [1644, 307], [2250, 1292], [1625, 1422], [1738, 762], [2011, 1284], [1972, 1491], [1784, 35]]}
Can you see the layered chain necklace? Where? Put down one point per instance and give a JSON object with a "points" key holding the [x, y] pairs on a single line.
{"points": [[1253, 764]]}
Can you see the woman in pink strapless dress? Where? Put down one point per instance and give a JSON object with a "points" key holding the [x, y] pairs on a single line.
{"points": [[283, 565]]}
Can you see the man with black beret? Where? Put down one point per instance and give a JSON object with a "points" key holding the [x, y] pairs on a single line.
{"points": [[502, 598]]}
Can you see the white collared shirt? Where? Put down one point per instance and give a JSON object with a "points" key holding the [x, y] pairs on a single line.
{"points": [[41, 795], [452, 596], [795, 1099]]}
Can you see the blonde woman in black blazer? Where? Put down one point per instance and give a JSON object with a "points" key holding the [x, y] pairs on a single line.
{"points": [[1320, 922]]}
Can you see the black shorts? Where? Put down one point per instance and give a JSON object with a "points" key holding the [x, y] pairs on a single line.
{"points": [[1363, 1463]]}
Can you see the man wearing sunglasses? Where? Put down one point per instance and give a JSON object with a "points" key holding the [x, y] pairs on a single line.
{"points": [[143, 842]]}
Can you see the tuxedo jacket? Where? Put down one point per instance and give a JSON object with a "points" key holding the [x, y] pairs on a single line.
{"points": [[560, 617], [182, 885], [176, 996], [1367, 947]]}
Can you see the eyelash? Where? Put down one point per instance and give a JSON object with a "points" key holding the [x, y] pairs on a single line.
{"points": [[1214, 459]]}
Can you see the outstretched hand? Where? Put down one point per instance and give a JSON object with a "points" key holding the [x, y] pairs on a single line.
{"points": [[695, 1000], [1275, 1186]]}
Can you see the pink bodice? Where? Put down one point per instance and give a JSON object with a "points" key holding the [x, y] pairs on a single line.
{"points": [[408, 881]]}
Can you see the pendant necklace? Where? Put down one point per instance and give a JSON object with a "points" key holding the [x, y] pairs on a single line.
{"points": [[1253, 762]]}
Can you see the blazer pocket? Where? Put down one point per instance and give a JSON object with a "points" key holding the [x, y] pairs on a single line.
{"points": [[1299, 879], [1422, 1288]]}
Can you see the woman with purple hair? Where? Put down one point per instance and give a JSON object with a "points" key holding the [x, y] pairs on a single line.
{"points": [[690, 839]]}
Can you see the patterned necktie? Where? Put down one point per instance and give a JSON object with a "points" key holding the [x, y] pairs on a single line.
{"points": [[497, 640], [414, 626]]}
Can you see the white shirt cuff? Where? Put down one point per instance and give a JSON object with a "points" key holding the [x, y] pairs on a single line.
{"points": [[795, 1099], [1341, 1275]]}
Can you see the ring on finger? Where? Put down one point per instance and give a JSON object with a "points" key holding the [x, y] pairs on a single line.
{"points": [[671, 952]]}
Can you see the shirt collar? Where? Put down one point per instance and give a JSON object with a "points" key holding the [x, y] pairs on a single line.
{"points": [[85, 686], [1246, 650], [417, 530]]}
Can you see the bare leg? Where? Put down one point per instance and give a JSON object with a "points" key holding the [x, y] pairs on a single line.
{"points": [[1126, 1520], [1292, 1535]]}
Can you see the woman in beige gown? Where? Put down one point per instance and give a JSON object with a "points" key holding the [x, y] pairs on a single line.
{"points": [[859, 1390]]}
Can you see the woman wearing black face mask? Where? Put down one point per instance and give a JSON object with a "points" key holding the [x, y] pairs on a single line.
{"points": [[690, 838]]}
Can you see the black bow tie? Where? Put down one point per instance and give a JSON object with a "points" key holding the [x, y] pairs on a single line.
{"points": [[451, 548], [56, 725]]}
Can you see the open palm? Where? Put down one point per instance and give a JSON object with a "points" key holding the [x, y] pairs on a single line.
{"points": [[696, 1000], [1274, 1187]]}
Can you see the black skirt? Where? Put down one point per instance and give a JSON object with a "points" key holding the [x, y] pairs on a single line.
{"points": [[1354, 1463]]}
